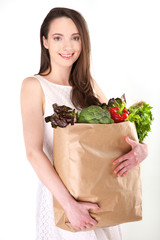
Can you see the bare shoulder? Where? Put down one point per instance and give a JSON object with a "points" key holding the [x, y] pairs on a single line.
{"points": [[31, 87], [31, 83], [31, 95]]}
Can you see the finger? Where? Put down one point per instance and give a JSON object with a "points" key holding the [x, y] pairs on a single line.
{"points": [[131, 142], [92, 206], [77, 228], [93, 222], [88, 225], [83, 228], [121, 159], [122, 171], [121, 166], [125, 173], [127, 168]]}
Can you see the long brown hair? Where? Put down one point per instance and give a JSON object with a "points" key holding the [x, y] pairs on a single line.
{"points": [[82, 94]]}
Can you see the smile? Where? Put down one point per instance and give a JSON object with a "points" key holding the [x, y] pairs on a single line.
{"points": [[66, 56]]}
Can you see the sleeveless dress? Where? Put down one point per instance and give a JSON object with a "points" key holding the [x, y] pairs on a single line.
{"points": [[45, 224]]}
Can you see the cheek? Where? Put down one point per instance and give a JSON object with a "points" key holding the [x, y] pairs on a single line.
{"points": [[78, 48], [76, 45], [54, 47]]}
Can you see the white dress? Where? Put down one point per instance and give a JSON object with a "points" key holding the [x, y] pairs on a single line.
{"points": [[45, 224]]}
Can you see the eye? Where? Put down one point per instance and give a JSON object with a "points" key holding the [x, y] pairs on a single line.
{"points": [[57, 38], [76, 38]]}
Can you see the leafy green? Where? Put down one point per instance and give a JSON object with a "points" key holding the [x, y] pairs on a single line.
{"points": [[115, 102], [94, 114], [142, 116], [62, 116]]}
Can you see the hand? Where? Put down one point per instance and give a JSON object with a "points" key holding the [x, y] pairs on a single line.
{"points": [[79, 217], [138, 153]]}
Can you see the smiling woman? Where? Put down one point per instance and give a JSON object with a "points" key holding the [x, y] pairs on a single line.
{"points": [[64, 78]]}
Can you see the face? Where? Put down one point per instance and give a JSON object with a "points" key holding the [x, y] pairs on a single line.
{"points": [[63, 43]]}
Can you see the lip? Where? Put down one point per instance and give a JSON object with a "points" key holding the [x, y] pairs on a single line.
{"points": [[66, 56]]}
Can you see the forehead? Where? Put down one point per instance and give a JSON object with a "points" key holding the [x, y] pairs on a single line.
{"points": [[63, 25]]}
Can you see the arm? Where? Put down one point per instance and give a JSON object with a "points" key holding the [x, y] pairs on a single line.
{"points": [[32, 118]]}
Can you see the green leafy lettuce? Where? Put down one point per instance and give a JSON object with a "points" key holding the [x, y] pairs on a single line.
{"points": [[142, 116]]}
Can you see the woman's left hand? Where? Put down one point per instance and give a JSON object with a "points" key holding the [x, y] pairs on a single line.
{"points": [[126, 162]]}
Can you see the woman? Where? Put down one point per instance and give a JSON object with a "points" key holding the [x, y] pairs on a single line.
{"points": [[64, 78]]}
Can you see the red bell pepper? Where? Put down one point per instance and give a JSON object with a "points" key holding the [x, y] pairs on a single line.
{"points": [[117, 115]]}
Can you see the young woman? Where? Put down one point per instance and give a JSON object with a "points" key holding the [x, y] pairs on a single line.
{"points": [[64, 78]]}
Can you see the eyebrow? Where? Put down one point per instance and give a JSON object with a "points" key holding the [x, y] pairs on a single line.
{"points": [[62, 34]]}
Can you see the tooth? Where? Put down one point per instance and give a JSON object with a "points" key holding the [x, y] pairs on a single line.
{"points": [[66, 55]]}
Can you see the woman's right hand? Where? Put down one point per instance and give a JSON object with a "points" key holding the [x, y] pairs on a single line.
{"points": [[79, 217]]}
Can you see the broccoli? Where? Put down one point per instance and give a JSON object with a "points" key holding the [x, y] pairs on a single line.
{"points": [[94, 114]]}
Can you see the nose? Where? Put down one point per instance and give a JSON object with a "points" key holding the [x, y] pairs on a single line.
{"points": [[67, 46]]}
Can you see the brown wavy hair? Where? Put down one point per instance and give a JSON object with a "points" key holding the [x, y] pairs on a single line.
{"points": [[82, 94]]}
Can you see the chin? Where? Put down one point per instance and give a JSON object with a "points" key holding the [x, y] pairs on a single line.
{"points": [[68, 64]]}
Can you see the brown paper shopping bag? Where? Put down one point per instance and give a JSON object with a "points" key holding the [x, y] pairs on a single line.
{"points": [[83, 156]]}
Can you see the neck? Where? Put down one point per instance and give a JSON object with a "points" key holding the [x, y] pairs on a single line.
{"points": [[59, 75]]}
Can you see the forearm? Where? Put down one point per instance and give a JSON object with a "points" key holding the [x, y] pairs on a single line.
{"points": [[48, 175]]}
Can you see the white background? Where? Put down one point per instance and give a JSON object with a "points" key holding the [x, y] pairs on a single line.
{"points": [[125, 41]]}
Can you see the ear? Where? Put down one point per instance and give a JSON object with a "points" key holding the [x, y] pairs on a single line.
{"points": [[45, 42]]}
